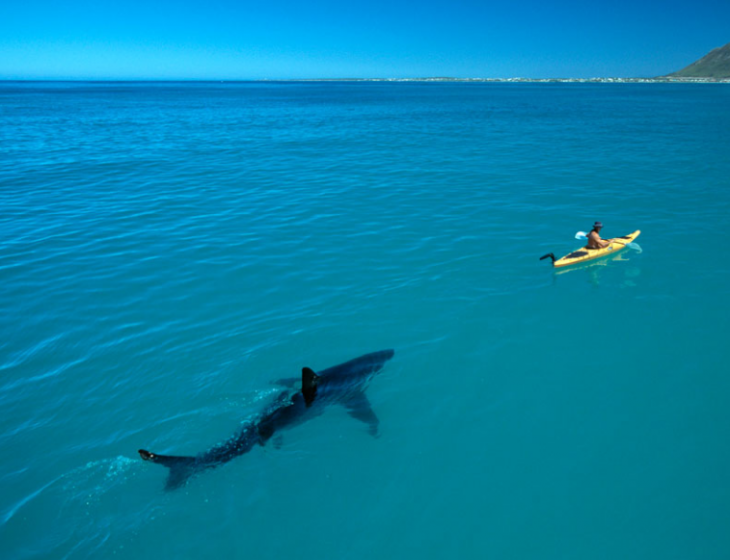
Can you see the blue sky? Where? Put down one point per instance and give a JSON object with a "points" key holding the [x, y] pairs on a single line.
{"points": [[280, 39]]}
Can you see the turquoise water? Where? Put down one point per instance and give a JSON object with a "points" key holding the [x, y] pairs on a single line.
{"points": [[169, 250]]}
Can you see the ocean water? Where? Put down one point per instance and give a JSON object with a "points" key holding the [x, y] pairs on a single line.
{"points": [[168, 250]]}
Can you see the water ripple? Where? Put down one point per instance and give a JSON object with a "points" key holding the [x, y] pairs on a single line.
{"points": [[168, 250]]}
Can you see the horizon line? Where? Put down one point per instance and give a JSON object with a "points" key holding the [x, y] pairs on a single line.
{"points": [[343, 79]]}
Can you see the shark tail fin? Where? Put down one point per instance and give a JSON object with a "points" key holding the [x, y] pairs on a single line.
{"points": [[181, 468], [309, 385]]}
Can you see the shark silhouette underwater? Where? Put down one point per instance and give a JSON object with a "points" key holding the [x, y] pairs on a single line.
{"points": [[343, 384]]}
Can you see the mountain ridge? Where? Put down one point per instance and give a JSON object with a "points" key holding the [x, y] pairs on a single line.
{"points": [[715, 64]]}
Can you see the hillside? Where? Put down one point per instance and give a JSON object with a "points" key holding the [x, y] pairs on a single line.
{"points": [[715, 64]]}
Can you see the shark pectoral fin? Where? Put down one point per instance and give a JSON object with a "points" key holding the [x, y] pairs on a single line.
{"points": [[309, 385], [358, 406], [181, 468]]}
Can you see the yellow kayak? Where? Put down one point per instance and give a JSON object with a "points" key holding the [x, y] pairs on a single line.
{"points": [[585, 254]]}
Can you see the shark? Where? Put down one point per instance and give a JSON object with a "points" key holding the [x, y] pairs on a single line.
{"points": [[343, 384]]}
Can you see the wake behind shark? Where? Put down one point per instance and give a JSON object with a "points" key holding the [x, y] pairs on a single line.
{"points": [[343, 384]]}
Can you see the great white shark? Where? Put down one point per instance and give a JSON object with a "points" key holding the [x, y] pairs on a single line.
{"points": [[343, 384]]}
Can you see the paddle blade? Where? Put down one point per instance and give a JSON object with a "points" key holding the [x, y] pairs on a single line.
{"points": [[581, 235], [550, 255]]}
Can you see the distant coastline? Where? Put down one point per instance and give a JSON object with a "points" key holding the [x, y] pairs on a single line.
{"points": [[660, 80], [713, 68]]}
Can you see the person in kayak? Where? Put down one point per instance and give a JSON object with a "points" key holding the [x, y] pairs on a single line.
{"points": [[594, 237]]}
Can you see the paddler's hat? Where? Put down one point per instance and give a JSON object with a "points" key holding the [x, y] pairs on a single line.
{"points": [[597, 225]]}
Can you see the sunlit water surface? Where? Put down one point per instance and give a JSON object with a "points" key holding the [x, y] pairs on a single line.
{"points": [[169, 250]]}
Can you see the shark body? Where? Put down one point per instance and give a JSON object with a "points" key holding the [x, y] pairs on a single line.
{"points": [[343, 384]]}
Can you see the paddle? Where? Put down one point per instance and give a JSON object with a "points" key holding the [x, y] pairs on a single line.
{"points": [[634, 246]]}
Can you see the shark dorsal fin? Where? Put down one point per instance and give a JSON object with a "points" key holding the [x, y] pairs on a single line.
{"points": [[309, 385]]}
